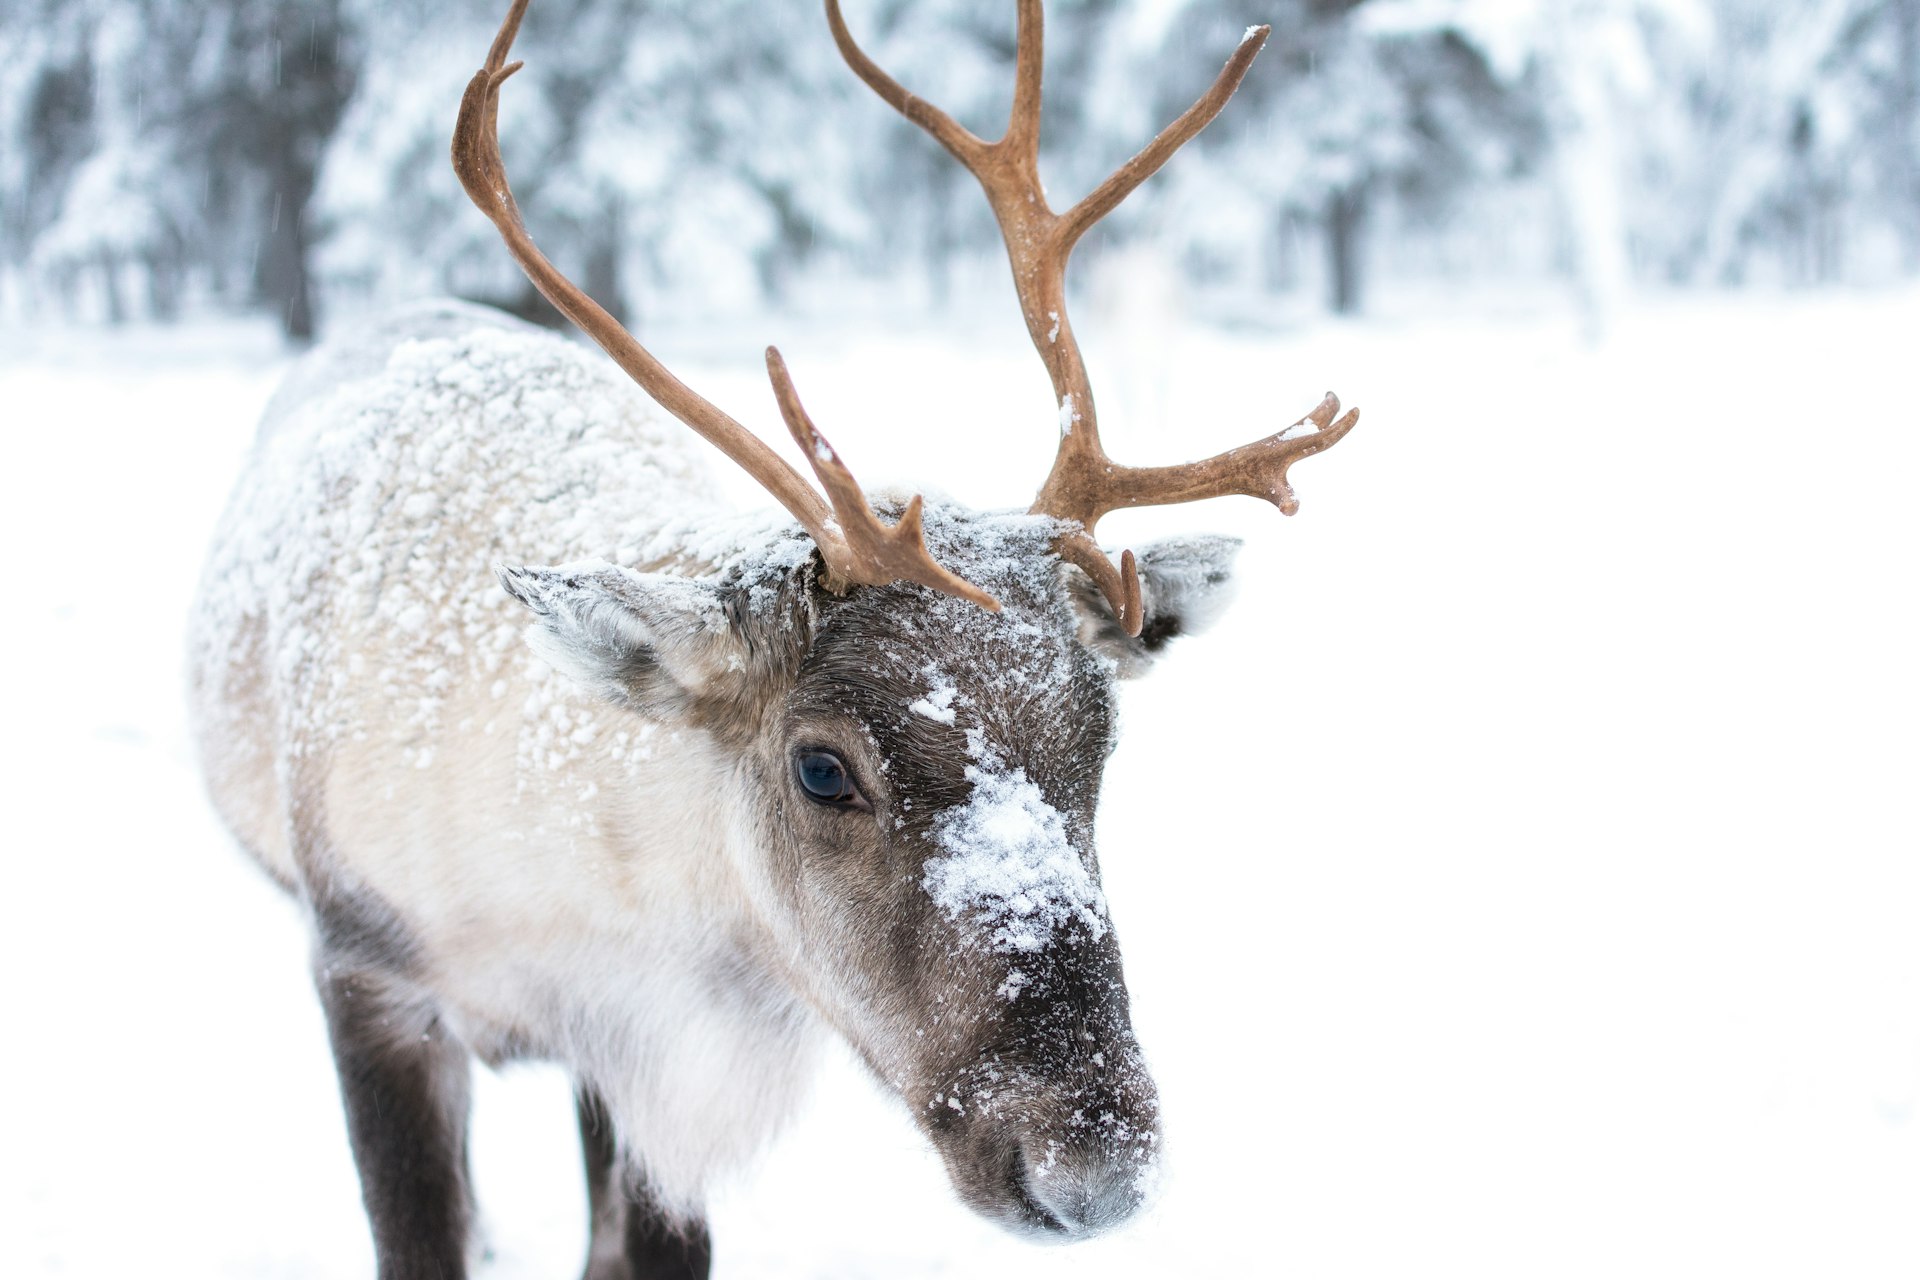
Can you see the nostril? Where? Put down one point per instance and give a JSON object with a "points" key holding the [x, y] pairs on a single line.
{"points": [[1022, 1174]]}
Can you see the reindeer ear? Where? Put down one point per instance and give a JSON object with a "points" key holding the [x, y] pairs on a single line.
{"points": [[1185, 584], [647, 640]]}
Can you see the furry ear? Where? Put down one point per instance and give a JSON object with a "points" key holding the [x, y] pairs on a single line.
{"points": [[647, 640], [1185, 584]]}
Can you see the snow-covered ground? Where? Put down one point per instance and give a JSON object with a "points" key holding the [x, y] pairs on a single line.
{"points": [[1523, 881]]}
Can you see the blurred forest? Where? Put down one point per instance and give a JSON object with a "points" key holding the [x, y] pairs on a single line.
{"points": [[161, 158]]}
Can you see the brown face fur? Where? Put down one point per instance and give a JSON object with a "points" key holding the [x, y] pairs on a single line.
{"points": [[1019, 1063]]}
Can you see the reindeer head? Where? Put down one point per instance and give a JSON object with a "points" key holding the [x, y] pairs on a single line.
{"points": [[918, 778], [918, 706]]}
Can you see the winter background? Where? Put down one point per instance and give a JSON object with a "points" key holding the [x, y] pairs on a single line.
{"points": [[1524, 879]]}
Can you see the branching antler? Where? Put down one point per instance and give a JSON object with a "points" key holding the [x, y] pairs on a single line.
{"points": [[1085, 483], [896, 554], [854, 545]]}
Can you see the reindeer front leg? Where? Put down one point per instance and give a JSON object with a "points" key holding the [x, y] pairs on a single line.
{"points": [[404, 1082], [632, 1238]]}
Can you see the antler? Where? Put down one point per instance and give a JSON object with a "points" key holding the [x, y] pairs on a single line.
{"points": [[855, 546], [1085, 483]]}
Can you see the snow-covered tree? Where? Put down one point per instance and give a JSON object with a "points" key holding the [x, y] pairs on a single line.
{"points": [[249, 152], [163, 141], [1341, 114]]}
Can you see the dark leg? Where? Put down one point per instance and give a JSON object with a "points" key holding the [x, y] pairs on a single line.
{"points": [[404, 1082], [632, 1238]]}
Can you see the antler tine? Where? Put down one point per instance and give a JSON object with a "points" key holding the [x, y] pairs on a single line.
{"points": [[853, 545], [873, 551], [1257, 470], [947, 131], [1120, 586], [1029, 61], [1006, 171], [482, 172], [1106, 197]]}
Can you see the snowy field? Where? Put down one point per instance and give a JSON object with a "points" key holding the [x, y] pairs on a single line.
{"points": [[1523, 881]]}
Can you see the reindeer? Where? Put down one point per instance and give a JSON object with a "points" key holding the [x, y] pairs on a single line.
{"points": [[757, 781]]}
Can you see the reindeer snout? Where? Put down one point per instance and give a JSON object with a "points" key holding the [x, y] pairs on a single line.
{"points": [[1086, 1191], [1059, 1155]]}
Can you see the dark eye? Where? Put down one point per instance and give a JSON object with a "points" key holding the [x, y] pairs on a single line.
{"points": [[823, 776]]}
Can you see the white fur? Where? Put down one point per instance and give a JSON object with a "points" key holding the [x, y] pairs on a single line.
{"points": [[592, 616], [562, 864], [1191, 577]]}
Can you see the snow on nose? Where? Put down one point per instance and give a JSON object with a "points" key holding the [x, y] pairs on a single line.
{"points": [[1007, 868]]}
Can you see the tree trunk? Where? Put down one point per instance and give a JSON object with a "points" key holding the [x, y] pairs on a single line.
{"points": [[1583, 111], [281, 128], [284, 280], [163, 284], [1906, 175], [110, 287], [601, 278], [1346, 221]]}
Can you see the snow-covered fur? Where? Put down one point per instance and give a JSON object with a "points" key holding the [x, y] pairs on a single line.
{"points": [[593, 848]]}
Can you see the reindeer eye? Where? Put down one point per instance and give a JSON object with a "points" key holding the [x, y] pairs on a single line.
{"points": [[823, 776]]}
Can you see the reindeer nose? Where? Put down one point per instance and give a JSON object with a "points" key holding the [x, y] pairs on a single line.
{"points": [[1087, 1191]]}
